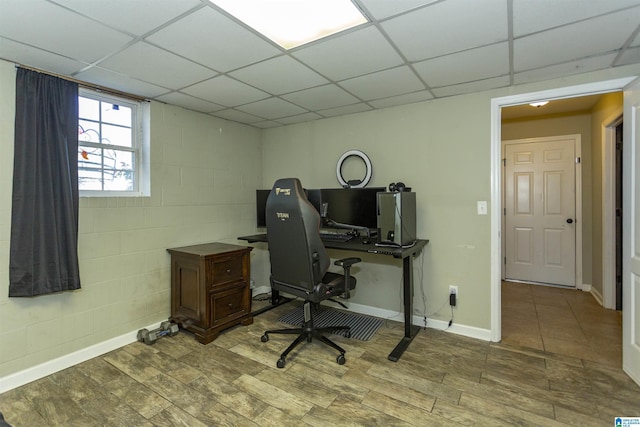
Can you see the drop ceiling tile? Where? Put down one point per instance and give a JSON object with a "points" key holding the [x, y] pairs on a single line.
{"points": [[408, 98], [477, 86], [443, 39], [58, 30], [575, 41], [568, 68], [300, 118], [271, 108], [327, 96], [189, 102], [533, 16], [225, 91], [381, 9], [141, 17], [469, 65], [353, 54], [38, 58], [210, 38], [266, 124], [630, 56], [447, 27], [123, 83], [347, 109], [279, 75], [383, 84], [237, 116], [149, 63]]}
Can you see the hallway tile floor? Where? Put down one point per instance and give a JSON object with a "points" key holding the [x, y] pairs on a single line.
{"points": [[562, 321]]}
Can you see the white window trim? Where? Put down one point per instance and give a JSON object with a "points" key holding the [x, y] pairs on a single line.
{"points": [[140, 144]]}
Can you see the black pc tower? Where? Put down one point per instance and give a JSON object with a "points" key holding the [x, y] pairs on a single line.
{"points": [[396, 218]]}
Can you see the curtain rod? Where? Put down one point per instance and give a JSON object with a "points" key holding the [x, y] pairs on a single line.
{"points": [[86, 85]]}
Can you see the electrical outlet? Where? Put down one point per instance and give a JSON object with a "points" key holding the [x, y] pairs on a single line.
{"points": [[453, 296]]}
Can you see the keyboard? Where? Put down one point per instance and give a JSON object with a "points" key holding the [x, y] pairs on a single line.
{"points": [[336, 237]]}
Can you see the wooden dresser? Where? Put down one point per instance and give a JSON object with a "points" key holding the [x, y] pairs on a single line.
{"points": [[210, 288]]}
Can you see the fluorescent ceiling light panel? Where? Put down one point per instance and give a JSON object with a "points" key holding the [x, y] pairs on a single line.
{"points": [[292, 23]]}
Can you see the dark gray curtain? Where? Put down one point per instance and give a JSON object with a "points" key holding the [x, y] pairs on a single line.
{"points": [[44, 215]]}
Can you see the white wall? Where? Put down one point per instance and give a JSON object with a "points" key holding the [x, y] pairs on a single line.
{"points": [[441, 148], [608, 108], [204, 172]]}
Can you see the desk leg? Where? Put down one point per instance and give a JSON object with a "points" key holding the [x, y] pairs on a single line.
{"points": [[410, 331], [276, 300], [275, 297]]}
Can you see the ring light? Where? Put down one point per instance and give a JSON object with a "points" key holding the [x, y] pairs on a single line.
{"points": [[367, 163]]}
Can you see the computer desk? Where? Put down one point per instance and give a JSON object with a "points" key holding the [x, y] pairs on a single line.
{"points": [[406, 254]]}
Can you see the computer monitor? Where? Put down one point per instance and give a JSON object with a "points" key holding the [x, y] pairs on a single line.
{"points": [[261, 208], [351, 206], [261, 204]]}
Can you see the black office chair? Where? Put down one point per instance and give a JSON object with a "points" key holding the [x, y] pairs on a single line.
{"points": [[299, 262]]}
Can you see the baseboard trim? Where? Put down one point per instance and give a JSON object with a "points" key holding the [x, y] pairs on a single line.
{"points": [[51, 367], [597, 295], [458, 329], [260, 290], [584, 287], [631, 372], [63, 362]]}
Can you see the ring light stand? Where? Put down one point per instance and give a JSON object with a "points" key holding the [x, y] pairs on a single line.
{"points": [[354, 183]]}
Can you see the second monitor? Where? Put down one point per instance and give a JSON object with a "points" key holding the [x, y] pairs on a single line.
{"points": [[349, 206]]}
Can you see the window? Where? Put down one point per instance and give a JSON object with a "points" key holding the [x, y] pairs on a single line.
{"points": [[112, 154]]}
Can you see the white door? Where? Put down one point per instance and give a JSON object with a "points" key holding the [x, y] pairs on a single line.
{"points": [[540, 210], [631, 234]]}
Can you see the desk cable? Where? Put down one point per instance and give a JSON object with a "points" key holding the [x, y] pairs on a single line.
{"points": [[420, 270], [422, 292]]}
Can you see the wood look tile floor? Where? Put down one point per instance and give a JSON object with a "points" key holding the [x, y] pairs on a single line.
{"points": [[442, 379]]}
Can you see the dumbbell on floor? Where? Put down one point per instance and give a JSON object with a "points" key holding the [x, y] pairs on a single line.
{"points": [[150, 337]]}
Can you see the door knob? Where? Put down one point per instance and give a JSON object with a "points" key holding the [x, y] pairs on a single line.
{"points": [[569, 221]]}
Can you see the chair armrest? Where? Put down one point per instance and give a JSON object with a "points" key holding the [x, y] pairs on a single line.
{"points": [[347, 262]]}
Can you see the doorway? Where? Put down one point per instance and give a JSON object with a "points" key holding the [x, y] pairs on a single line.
{"points": [[496, 175], [531, 168], [612, 212], [618, 214]]}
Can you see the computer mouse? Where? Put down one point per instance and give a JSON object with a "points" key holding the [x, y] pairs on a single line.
{"points": [[366, 241]]}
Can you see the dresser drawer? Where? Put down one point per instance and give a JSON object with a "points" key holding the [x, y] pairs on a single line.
{"points": [[224, 270], [210, 288], [229, 304]]}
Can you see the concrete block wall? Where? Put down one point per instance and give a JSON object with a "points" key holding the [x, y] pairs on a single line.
{"points": [[204, 172]]}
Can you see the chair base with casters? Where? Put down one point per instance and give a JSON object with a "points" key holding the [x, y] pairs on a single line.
{"points": [[309, 331]]}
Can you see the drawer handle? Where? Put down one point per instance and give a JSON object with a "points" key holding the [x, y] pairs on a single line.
{"points": [[229, 271], [230, 305]]}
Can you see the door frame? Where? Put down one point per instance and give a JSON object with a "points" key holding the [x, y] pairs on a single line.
{"points": [[577, 147], [609, 209], [496, 174]]}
